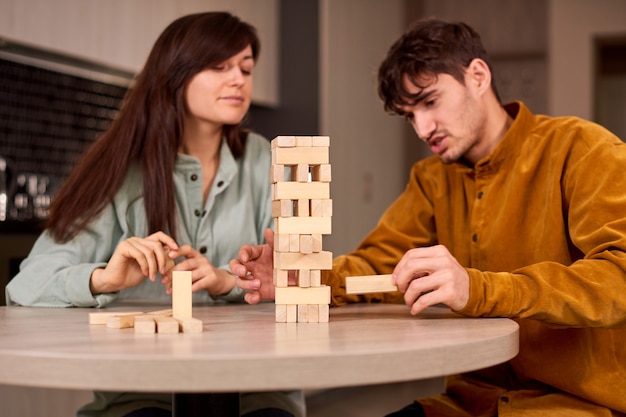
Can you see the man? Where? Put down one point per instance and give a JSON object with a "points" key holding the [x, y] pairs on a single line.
{"points": [[516, 215]]}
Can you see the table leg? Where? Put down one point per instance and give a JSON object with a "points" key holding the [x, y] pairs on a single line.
{"points": [[205, 405]]}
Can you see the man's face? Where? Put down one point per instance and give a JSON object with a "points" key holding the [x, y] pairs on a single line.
{"points": [[447, 116]]}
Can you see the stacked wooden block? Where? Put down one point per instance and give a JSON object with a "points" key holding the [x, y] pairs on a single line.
{"points": [[302, 211]]}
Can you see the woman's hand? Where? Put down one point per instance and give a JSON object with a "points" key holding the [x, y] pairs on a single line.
{"points": [[204, 276], [133, 260]]}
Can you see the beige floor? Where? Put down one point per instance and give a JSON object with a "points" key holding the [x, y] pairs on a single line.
{"points": [[369, 401]]}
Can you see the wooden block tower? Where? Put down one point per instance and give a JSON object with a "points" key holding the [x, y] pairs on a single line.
{"points": [[302, 211]]}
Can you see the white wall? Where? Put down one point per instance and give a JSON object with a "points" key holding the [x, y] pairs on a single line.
{"points": [[572, 24], [120, 33], [366, 148]]}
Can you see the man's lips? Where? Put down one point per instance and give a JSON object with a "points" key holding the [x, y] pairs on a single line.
{"points": [[437, 144]]}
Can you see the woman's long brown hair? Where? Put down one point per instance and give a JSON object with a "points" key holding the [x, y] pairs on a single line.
{"points": [[149, 127]]}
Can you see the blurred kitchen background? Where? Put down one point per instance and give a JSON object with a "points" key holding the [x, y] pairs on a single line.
{"points": [[66, 64]]}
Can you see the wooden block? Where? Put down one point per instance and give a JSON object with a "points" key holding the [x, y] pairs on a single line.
{"points": [[282, 208], [101, 317], [313, 313], [323, 313], [297, 260], [300, 190], [303, 313], [292, 313], [301, 155], [300, 173], [321, 208], [281, 313], [283, 142], [320, 141], [163, 313], [166, 325], [303, 225], [121, 322], [281, 278], [301, 208], [277, 173], [321, 173], [304, 141], [303, 278], [316, 240], [190, 325], [145, 324], [294, 243], [181, 294], [306, 243], [316, 278], [282, 243], [169, 262], [369, 284], [297, 295]]}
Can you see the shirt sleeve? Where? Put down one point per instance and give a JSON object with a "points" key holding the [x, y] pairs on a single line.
{"points": [[408, 223], [58, 274]]}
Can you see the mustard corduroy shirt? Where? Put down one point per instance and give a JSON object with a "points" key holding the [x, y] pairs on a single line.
{"points": [[540, 226]]}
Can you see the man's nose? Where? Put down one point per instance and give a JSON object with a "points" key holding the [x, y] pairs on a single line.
{"points": [[423, 125]]}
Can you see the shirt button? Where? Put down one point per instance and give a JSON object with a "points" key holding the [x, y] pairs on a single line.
{"points": [[197, 212], [480, 195], [220, 183], [203, 250], [193, 177], [474, 237]]}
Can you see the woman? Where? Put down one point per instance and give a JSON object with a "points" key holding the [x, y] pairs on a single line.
{"points": [[175, 177]]}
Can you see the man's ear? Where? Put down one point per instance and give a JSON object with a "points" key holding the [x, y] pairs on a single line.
{"points": [[479, 75]]}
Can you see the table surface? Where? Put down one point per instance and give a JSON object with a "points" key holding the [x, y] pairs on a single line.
{"points": [[243, 349]]}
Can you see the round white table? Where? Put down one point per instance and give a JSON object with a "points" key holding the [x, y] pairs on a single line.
{"points": [[243, 349]]}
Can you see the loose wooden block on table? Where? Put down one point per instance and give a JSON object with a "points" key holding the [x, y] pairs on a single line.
{"points": [[370, 284], [181, 294], [120, 321], [166, 325], [145, 324], [100, 317], [190, 325]]}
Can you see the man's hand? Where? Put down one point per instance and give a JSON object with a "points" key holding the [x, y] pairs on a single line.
{"points": [[254, 270], [429, 276]]}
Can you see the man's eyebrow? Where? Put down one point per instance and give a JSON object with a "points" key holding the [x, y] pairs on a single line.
{"points": [[422, 95]]}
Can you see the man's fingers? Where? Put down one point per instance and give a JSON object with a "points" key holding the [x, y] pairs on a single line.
{"points": [[253, 297]]}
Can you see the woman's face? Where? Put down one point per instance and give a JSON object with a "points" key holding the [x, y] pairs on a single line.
{"points": [[221, 94]]}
